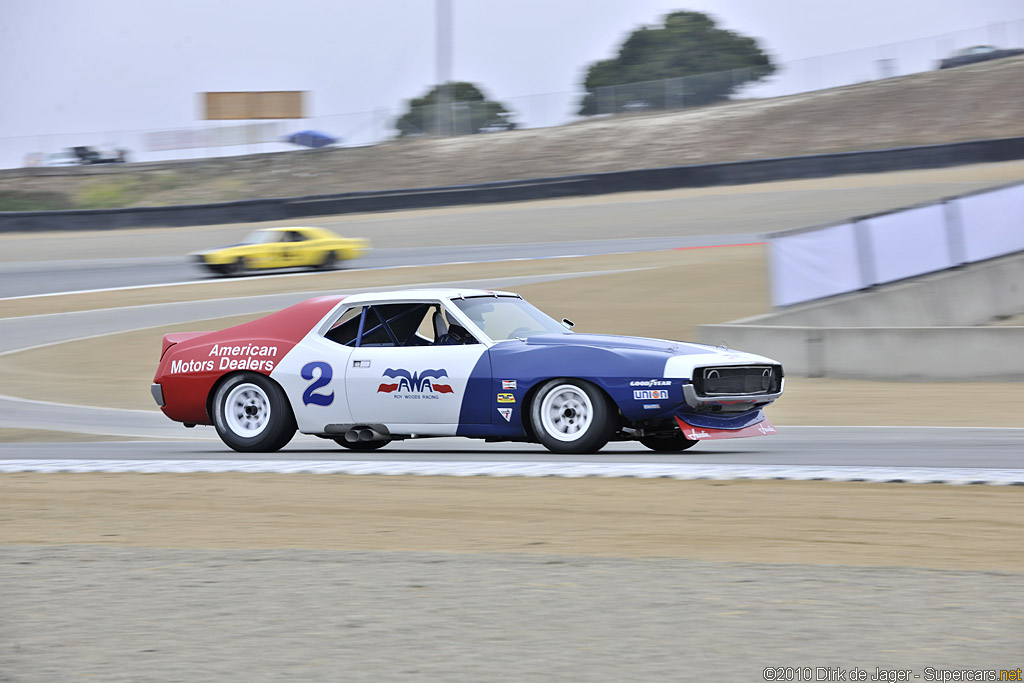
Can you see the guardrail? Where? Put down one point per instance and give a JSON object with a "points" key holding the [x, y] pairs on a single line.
{"points": [[702, 175]]}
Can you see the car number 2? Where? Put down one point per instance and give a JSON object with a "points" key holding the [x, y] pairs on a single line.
{"points": [[324, 373]]}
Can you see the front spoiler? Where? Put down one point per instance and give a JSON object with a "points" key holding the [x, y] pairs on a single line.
{"points": [[762, 428]]}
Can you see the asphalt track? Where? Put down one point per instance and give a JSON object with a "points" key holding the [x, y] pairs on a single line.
{"points": [[627, 222], [40, 277], [656, 221]]}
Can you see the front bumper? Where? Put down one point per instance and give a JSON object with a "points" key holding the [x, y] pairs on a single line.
{"points": [[733, 404], [158, 394]]}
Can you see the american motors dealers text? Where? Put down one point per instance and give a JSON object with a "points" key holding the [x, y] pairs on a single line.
{"points": [[255, 358], [836, 673]]}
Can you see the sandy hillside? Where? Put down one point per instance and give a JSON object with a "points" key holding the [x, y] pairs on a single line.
{"points": [[975, 102]]}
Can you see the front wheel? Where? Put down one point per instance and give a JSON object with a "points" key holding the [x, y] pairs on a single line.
{"points": [[233, 268], [571, 416], [252, 414], [668, 444]]}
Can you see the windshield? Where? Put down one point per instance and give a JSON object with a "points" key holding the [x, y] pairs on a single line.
{"points": [[261, 237], [508, 317]]}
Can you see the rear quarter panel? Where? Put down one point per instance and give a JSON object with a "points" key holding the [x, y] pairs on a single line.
{"points": [[190, 370]]}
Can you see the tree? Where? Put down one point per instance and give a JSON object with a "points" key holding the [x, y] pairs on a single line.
{"points": [[453, 109], [707, 62]]}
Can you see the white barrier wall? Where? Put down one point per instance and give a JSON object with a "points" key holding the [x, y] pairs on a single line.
{"points": [[907, 243], [814, 264], [822, 262], [992, 222]]}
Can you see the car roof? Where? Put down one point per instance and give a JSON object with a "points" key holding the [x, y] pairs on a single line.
{"points": [[421, 294], [322, 232]]}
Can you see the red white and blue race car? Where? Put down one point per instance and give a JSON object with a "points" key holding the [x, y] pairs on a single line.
{"points": [[368, 369]]}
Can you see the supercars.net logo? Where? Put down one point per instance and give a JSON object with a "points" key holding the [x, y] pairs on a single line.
{"points": [[415, 382]]}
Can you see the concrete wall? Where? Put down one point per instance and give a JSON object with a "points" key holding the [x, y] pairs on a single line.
{"points": [[919, 329], [883, 353]]}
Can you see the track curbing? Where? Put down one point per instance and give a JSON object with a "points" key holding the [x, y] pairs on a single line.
{"points": [[909, 475]]}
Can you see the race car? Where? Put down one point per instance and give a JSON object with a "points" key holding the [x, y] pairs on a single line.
{"points": [[282, 248], [368, 369]]}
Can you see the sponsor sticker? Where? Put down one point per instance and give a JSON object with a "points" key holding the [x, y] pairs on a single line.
{"points": [[650, 383], [694, 435], [505, 413], [651, 406], [766, 429], [423, 384], [508, 384], [506, 398], [650, 394]]}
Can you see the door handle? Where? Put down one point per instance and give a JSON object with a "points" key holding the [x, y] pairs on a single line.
{"points": [[360, 363]]}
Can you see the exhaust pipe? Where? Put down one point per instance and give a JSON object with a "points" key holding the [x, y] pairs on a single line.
{"points": [[364, 434]]}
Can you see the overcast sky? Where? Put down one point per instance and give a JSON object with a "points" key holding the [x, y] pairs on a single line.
{"points": [[69, 66]]}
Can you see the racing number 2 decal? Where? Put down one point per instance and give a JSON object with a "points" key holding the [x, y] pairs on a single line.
{"points": [[324, 376]]}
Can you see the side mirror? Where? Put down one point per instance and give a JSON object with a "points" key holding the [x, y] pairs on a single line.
{"points": [[568, 324]]}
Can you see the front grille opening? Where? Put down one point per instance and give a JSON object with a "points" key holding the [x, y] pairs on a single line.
{"points": [[746, 380]]}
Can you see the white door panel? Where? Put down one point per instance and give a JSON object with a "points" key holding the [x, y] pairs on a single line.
{"points": [[417, 385]]}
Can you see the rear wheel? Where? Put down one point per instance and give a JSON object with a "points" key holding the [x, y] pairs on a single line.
{"points": [[330, 258], [571, 416], [668, 444], [252, 414]]}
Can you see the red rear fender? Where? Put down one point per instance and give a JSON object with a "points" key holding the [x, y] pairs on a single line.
{"points": [[176, 338]]}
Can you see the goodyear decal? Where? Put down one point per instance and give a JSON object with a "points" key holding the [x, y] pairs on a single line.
{"points": [[506, 398]]}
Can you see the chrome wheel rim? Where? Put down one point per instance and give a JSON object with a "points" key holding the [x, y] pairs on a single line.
{"points": [[566, 412], [247, 410]]}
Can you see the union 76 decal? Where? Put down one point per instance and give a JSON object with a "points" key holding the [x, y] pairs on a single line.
{"points": [[406, 382]]}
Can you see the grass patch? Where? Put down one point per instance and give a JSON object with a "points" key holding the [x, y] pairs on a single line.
{"points": [[34, 201], [111, 193]]}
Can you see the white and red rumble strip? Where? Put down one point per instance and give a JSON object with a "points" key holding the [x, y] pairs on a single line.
{"points": [[910, 475]]}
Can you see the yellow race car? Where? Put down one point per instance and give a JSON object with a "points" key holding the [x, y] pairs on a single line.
{"points": [[282, 248]]}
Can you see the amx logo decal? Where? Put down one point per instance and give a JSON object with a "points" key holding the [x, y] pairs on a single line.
{"points": [[415, 382]]}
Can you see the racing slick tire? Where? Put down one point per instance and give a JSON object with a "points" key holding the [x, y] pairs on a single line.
{"points": [[233, 268], [668, 444], [571, 416], [252, 414], [330, 259], [362, 445]]}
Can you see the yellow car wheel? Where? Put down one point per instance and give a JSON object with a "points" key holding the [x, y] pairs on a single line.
{"points": [[330, 258]]}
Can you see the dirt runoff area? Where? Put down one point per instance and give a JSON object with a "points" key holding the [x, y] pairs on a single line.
{"points": [[899, 525]]}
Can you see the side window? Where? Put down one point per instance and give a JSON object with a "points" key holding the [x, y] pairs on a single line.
{"points": [[344, 331], [454, 333], [391, 325], [293, 236]]}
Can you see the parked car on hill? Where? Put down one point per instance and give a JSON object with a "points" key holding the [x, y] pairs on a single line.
{"points": [[977, 53], [272, 248], [368, 369]]}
